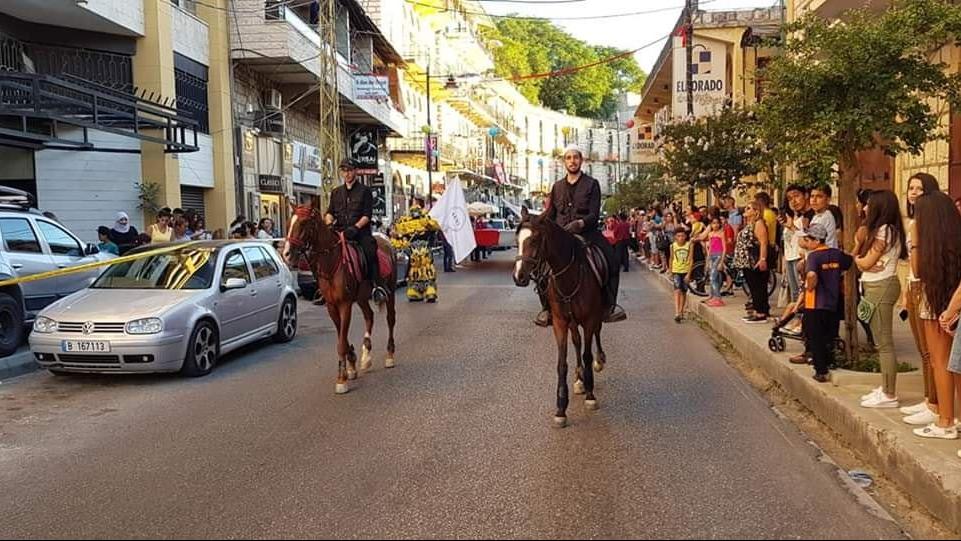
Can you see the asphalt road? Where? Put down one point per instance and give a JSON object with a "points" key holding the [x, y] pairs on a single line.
{"points": [[457, 441]]}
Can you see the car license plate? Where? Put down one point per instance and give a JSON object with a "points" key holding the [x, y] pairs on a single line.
{"points": [[85, 346]]}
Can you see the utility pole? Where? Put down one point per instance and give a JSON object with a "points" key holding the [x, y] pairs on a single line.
{"points": [[429, 145], [331, 145], [689, 9]]}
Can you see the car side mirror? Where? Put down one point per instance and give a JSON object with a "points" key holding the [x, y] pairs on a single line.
{"points": [[91, 249], [233, 283]]}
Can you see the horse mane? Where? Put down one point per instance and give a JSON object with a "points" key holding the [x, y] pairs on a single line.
{"points": [[557, 240]]}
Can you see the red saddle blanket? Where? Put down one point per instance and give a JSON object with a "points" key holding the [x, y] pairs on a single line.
{"points": [[356, 263]]}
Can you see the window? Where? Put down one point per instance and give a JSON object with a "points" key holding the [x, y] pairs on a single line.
{"points": [[264, 266], [236, 267], [190, 78], [18, 236], [61, 242]]}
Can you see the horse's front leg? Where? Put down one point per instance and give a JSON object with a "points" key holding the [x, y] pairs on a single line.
{"points": [[578, 345], [560, 335]]}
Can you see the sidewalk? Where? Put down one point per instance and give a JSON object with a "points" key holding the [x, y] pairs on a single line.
{"points": [[929, 470], [21, 362]]}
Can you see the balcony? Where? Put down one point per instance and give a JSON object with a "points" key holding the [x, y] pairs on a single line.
{"points": [[120, 17], [830, 9], [277, 41]]}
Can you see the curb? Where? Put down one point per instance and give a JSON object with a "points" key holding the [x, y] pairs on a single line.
{"points": [[18, 364], [927, 470]]}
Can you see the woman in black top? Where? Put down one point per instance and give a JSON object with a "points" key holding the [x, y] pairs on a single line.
{"points": [[124, 235]]}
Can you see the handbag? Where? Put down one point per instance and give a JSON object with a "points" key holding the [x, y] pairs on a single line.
{"points": [[866, 310]]}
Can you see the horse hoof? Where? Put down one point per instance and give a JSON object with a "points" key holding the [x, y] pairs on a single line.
{"points": [[390, 362], [560, 422], [598, 366], [341, 388], [591, 404], [365, 362], [578, 387], [351, 375]]}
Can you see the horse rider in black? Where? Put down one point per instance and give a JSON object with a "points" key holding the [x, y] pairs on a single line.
{"points": [[350, 210], [575, 205]]}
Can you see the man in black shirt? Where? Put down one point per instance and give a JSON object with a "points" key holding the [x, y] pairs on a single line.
{"points": [[350, 210], [575, 205]]}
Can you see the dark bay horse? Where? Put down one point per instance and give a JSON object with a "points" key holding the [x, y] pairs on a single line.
{"points": [[327, 253], [577, 301]]}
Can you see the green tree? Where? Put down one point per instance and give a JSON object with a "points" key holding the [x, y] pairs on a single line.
{"points": [[528, 47], [648, 187], [714, 152], [866, 82]]}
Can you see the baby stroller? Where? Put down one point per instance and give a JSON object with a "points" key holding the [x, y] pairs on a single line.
{"points": [[779, 334]]}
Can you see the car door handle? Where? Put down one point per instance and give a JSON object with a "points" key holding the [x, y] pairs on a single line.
{"points": [[62, 266], [17, 266]]}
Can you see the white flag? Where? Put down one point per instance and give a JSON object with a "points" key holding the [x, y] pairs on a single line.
{"points": [[451, 213]]}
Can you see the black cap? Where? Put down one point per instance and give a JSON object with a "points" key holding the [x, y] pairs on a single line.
{"points": [[347, 163]]}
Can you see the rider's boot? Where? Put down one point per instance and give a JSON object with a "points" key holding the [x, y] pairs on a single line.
{"points": [[543, 319], [615, 314]]}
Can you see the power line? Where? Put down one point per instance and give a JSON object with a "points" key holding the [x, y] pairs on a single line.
{"points": [[522, 17]]}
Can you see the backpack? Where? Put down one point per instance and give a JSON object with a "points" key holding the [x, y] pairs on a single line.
{"points": [[661, 241]]}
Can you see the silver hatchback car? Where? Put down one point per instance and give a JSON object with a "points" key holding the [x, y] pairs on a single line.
{"points": [[177, 311]]}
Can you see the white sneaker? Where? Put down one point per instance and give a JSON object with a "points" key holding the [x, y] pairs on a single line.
{"points": [[880, 401], [921, 418], [936, 432], [873, 394], [917, 408]]}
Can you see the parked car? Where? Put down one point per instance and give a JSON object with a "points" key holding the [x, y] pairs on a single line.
{"points": [[177, 311], [33, 244]]}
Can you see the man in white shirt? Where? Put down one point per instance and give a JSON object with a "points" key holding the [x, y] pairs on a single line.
{"points": [[820, 201]]}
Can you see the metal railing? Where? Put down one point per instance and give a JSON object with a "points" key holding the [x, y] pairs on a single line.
{"points": [[32, 98]]}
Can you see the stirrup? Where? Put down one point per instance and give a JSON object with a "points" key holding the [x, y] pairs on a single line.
{"points": [[616, 314], [379, 293], [543, 321]]}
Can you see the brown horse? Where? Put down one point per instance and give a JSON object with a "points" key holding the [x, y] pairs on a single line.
{"points": [[327, 253], [576, 298]]}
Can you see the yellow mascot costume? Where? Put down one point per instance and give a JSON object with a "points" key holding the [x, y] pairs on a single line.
{"points": [[416, 234]]}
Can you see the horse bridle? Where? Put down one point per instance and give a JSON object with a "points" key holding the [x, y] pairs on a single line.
{"points": [[565, 298], [304, 247]]}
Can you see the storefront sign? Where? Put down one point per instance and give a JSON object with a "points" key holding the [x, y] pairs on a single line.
{"points": [[499, 172], [379, 191], [709, 77], [371, 87], [363, 150], [270, 183]]}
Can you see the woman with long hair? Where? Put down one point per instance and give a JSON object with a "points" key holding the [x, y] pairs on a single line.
{"points": [[751, 255], [925, 412], [936, 261], [883, 245]]}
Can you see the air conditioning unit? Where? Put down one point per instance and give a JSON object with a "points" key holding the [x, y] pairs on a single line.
{"points": [[274, 100]]}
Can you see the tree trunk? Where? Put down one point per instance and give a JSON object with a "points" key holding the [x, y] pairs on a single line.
{"points": [[848, 201]]}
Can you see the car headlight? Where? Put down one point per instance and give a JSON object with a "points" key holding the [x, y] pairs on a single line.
{"points": [[150, 325], [44, 325]]}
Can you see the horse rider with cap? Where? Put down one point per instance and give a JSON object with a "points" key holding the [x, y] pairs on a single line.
{"points": [[350, 211], [575, 204]]}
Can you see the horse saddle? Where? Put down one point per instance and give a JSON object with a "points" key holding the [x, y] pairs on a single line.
{"points": [[596, 261], [357, 263]]}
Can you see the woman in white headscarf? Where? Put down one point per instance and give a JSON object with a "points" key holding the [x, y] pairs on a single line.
{"points": [[123, 234]]}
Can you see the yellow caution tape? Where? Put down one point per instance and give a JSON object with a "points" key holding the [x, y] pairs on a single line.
{"points": [[96, 264]]}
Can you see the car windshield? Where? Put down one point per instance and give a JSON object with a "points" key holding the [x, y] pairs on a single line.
{"points": [[190, 268]]}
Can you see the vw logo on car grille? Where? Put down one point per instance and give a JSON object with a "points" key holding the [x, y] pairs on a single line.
{"points": [[88, 327]]}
